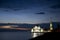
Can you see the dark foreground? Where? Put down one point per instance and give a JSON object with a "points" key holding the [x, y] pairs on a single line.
{"points": [[48, 36]]}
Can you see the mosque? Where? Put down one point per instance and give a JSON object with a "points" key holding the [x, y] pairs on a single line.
{"points": [[37, 30]]}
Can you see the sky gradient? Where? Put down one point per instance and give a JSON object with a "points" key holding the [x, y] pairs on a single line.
{"points": [[29, 11]]}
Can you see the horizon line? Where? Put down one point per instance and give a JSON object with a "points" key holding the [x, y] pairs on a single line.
{"points": [[28, 23]]}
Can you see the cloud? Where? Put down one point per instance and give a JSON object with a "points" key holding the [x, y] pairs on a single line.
{"points": [[12, 4], [55, 6], [40, 13], [24, 4]]}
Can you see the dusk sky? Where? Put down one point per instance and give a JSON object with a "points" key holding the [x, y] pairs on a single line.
{"points": [[29, 11]]}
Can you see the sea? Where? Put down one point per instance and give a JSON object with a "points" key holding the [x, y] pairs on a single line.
{"points": [[21, 35]]}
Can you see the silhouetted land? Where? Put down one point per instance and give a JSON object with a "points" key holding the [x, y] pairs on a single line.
{"points": [[56, 25], [25, 25], [48, 36], [54, 35]]}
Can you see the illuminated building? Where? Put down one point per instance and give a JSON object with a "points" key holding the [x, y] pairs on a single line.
{"points": [[37, 30], [51, 26]]}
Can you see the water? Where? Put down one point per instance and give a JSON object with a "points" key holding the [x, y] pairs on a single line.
{"points": [[22, 35]]}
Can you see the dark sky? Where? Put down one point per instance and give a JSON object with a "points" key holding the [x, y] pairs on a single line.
{"points": [[29, 11]]}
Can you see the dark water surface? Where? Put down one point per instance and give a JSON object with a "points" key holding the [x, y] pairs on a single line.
{"points": [[22, 35]]}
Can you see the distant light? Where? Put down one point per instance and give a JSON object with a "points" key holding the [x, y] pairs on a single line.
{"points": [[6, 26]]}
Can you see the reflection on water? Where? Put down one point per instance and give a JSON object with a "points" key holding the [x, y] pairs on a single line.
{"points": [[21, 35], [37, 34]]}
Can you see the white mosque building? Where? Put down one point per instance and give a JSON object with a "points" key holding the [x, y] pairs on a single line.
{"points": [[37, 30]]}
